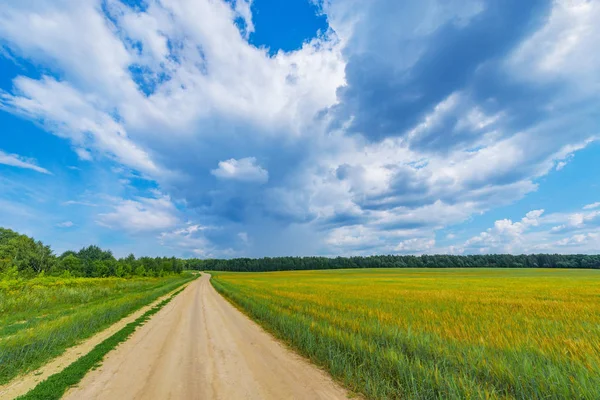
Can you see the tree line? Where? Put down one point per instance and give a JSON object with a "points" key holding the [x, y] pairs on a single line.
{"points": [[23, 256], [397, 261]]}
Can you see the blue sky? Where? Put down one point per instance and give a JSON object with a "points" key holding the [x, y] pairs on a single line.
{"points": [[234, 128]]}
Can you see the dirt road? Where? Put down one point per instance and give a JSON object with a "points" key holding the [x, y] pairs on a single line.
{"points": [[200, 347], [23, 384]]}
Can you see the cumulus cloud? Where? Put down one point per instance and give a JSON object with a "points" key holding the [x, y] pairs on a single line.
{"points": [[402, 119], [14, 160], [65, 224], [142, 214], [579, 239], [560, 49], [189, 238], [506, 235], [243, 11], [538, 232], [415, 245], [576, 221], [244, 170]]}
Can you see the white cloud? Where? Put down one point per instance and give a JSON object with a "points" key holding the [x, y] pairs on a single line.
{"points": [[362, 239], [174, 89], [192, 240], [73, 115], [244, 170], [592, 206], [532, 218], [415, 245], [217, 75], [83, 154], [65, 224], [574, 221], [242, 9], [580, 239], [506, 235], [141, 214], [538, 232], [561, 48], [14, 160]]}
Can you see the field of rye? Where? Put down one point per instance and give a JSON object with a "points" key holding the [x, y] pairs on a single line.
{"points": [[41, 317], [436, 333]]}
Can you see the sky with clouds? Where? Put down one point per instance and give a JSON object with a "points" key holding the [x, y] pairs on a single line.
{"points": [[214, 128]]}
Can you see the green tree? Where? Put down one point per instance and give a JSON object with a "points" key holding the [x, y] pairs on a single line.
{"points": [[72, 264], [28, 255], [140, 271]]}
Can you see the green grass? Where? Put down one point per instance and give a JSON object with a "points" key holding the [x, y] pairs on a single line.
{"points": [[56, 385], [40, 318], [436, 333]]}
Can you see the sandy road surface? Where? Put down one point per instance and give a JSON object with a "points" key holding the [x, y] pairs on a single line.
{"points": [[23, 384], [200, 347]]}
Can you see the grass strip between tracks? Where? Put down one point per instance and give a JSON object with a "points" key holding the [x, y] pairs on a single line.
{"points": [[56, 385]]}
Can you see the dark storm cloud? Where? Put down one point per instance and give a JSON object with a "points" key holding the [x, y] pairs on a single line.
{"points": [[385, 100]]}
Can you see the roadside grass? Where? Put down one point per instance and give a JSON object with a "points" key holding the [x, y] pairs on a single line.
{"points": [[41, 317], [431, 334], [56, 385]]}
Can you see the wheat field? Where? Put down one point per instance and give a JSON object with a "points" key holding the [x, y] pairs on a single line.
{"points": [[436, 333]]}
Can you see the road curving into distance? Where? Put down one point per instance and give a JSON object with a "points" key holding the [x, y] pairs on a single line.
{"points": [[200, 347]]}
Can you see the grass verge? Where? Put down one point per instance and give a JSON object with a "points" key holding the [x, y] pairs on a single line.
{"points": [[56, 385], [42, 317]]}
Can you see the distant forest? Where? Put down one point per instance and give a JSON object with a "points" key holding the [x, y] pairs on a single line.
{"points": [[394, 261], [23, 256]]}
